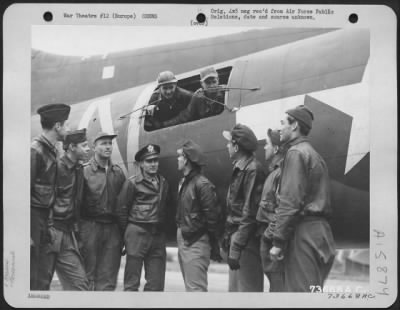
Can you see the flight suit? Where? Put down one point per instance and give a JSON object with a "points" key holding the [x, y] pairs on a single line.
{"points": [[197, 219], [142, 212], [99, 230], [266, 220], [240, 239], [301, 218], [43, 179], [199, 107], [166, 109]]}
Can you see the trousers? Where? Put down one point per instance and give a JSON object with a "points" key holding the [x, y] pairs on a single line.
{"points": [[101, 253], [310, 255], [272, 270], [194, 261], [148, 249], [66, 260], [249, 277]]}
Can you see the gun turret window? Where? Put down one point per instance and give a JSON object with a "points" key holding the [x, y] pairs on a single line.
{"points": [[188, 99]]}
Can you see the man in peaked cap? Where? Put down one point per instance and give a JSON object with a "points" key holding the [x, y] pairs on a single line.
{"points": [[197, 218], [206, 101], [43, 178], [99, 231], [142, 209], [302, 236], [240, 242], [64, 254], [166, 102]]}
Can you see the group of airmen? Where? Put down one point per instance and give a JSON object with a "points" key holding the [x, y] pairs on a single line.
{"points": [[85, 215]]}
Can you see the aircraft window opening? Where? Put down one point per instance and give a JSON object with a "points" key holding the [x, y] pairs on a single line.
{"points": [[163, 114]]}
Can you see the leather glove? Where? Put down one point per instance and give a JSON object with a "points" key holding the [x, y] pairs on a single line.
{"points": [[233, 263], [215, 253]]}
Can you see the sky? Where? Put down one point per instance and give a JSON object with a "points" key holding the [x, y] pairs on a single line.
{"points": [[94, 40]]}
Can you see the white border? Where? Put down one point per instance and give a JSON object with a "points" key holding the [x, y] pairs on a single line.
{"points": [[18, 19]]}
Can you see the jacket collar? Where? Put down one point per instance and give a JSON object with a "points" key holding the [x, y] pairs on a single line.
{"points": [[297, 141], [68, 162], [242, 163], [95, 165], [43, 140], [191, 174], [139, 177], [275, 162]]}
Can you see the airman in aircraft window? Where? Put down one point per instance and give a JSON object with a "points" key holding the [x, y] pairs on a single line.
{"points": [[166, 102], [43, 180], [302, 236], [274, 153], [99, 230], [240, 242], [142, 211], [206, 101]]}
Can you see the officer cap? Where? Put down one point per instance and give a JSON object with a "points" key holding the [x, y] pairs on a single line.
{"points": [[194, 153], [75, 137], [166, 77], [242, 136], [55, 112], [148, 152], [102, 135], [208, 72], [302, 114], [274, 136]]}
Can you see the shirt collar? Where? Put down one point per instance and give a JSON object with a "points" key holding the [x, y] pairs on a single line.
{"points": [[144, 177], [95, 165]]}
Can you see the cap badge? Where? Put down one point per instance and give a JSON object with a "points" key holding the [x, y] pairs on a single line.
{"points": [[150, 148]]}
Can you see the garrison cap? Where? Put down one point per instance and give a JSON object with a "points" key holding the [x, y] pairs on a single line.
{"points": [[166, 77], [194, 153], [274, 136], [242, 136], [302, 114], [102, 135], [208, 72], [75, 137], [147, 152], [55, 112]]}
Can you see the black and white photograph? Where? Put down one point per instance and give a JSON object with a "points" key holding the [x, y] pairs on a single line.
{"points": [[238, 150]]}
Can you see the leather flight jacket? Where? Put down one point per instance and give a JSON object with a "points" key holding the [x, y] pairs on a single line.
{"points": [[304, 189], [43, 173], [197, 211], [100, 191]]}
